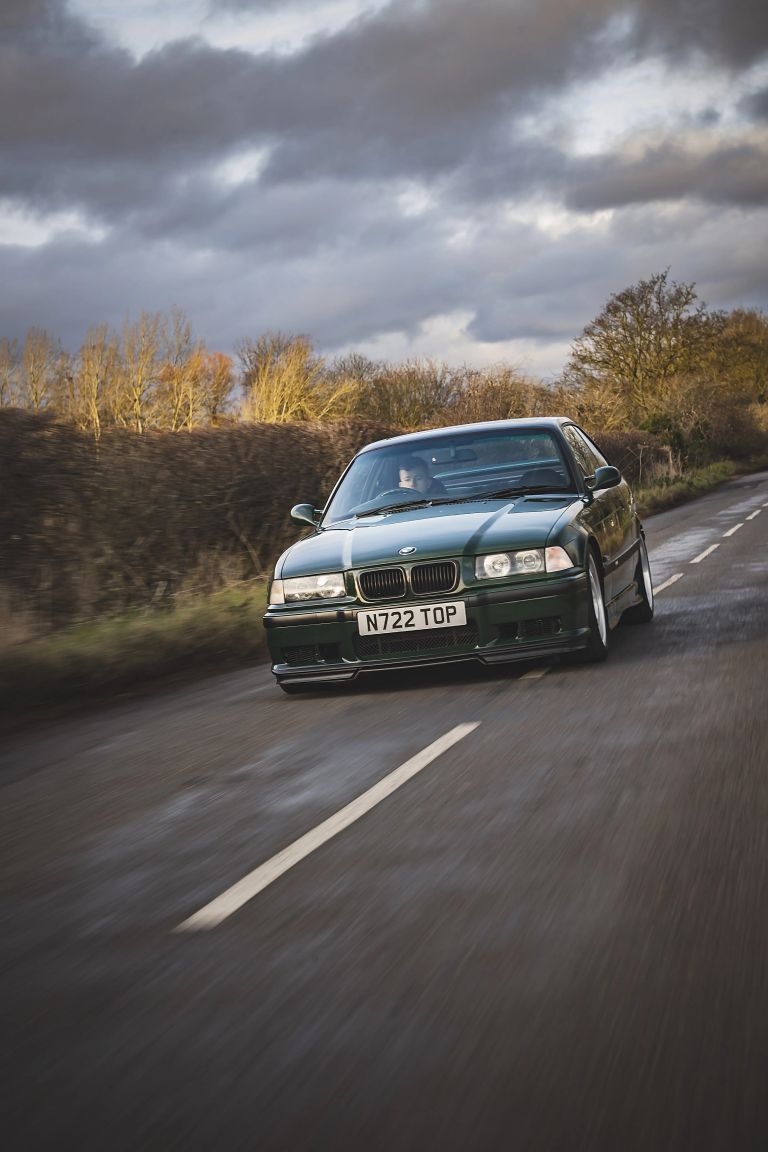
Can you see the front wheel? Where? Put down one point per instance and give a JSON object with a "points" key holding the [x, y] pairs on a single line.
{"points": [[642, 613], [597, 644]]}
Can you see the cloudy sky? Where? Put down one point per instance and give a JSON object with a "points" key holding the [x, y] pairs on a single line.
{"points": [[463, 179]]}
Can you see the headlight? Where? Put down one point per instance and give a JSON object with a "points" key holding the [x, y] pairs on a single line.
{"points": [[329, 586], [531, 561]]}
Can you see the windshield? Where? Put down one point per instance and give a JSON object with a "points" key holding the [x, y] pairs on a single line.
{"points": [[448, 467]]}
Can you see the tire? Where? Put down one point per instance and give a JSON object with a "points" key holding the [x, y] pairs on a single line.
{"points": [[597, 644], [642, 613]]}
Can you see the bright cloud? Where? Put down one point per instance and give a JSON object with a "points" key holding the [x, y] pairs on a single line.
{"points": [[143, 26], [22, 228]]}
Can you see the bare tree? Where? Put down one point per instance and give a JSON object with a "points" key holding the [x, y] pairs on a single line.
{"points": [[498, 393], [138, 377], [411, 394], [9, 372], [38, 369], [96, 368], [358, 374], [284, 379], [178, 400], [218, 382]]}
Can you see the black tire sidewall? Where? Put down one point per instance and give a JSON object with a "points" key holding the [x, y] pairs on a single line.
{"points": [[596, 649], [641, 613]]}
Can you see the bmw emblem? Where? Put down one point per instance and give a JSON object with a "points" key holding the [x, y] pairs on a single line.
{"points": [[409, 551]]}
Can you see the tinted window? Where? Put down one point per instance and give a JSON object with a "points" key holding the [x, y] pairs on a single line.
{"points": [[587, 456], [593, 448]]}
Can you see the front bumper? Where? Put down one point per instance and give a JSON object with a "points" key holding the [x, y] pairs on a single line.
{"points": [[545, 617]]}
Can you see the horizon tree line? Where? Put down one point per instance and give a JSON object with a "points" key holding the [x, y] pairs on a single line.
{"points": [[655, 359]]}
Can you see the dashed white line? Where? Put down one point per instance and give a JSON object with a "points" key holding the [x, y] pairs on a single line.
{"points": [[757, 513], [735, 528], [535, 673], [668, 583], [703, 555], [233, 898]]}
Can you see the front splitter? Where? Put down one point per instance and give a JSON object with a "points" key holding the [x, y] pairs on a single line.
{"points": [[572, 643]]}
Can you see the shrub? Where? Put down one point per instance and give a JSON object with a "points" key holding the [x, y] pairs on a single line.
{"points": [[90, 527]]}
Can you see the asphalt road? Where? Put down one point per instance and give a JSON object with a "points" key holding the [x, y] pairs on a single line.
{"points": [[552, 934]]}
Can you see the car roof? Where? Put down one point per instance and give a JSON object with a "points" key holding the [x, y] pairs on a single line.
{"points": [[414, 438]]}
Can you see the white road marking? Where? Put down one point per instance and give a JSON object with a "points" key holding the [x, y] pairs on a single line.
{"points": [[735, 528], [230, 901], [535, 673], [668, 583], [754, 514], [703, 555]]}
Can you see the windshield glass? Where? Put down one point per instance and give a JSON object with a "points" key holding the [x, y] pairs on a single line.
{"points": [[447, 467]]}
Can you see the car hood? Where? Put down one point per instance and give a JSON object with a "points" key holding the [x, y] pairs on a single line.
{"points": [[441, 531]]}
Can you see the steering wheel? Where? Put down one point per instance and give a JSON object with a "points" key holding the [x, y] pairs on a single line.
{"points": [[397, 492]]}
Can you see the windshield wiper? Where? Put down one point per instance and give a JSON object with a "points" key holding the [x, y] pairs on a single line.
{"points": [[395, 508], [443, 500], [525, 490], [477, 497], [518, 490]]}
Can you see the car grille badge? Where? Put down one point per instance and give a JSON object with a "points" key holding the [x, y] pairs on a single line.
{"points": [[408, 551]]}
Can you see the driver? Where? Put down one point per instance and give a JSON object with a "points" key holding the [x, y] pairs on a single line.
{"points": [[414, 474]]}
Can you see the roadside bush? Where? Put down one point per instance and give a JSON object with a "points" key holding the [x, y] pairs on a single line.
{"points": [[641, 457], [91, 527]]}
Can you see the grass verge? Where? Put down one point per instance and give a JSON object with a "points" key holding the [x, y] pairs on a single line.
{"points": [[102, 657], [695, 482]]}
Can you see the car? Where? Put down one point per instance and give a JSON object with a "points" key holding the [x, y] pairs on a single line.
{"points": [[495, 542]]}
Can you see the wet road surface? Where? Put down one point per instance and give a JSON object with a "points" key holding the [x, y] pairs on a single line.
{"points": [[551, 933]]}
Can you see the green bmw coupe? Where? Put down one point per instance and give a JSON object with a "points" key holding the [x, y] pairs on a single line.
{"points": [[493, 542]]}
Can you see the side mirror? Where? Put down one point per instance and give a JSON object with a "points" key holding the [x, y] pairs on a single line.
{"points": [[605, 477], [304, 514]]}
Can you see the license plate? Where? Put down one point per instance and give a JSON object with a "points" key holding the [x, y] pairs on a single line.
{"points": [[414, 619]]}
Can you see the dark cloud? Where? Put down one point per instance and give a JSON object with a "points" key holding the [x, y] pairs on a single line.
{"points": [[425, 92], [408, 93], [734, 174], [419, 90], [500, 166], [32, 26], [732, 32], [315, 218], [756, 106]]}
